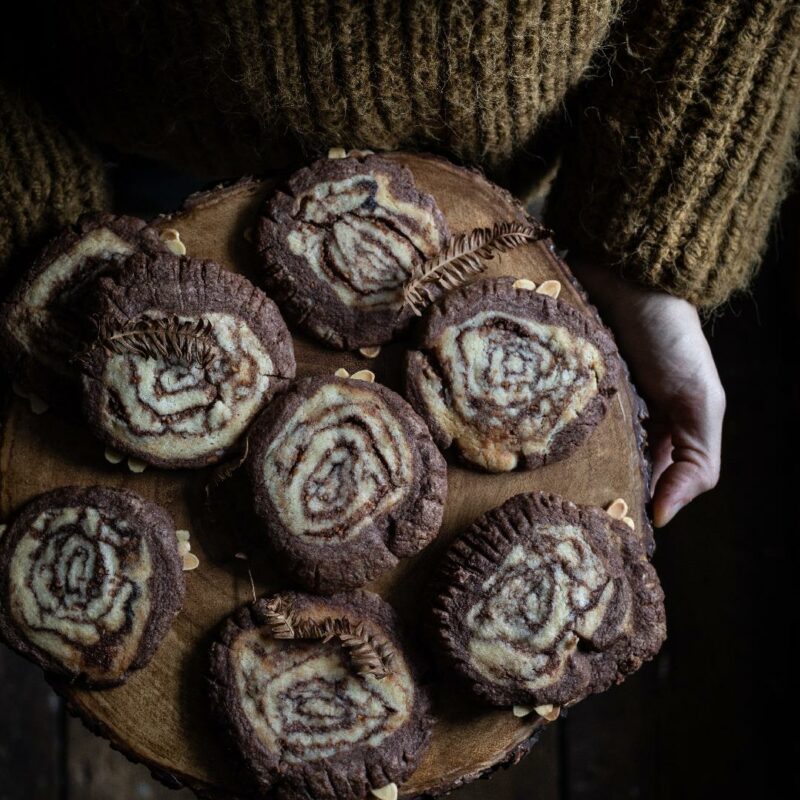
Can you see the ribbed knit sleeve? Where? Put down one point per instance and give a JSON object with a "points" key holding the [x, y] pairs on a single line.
{"points": [[683, 149], [48, 177]]}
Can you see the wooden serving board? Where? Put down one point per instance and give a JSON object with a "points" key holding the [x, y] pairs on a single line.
{"points": [[161, 716]]}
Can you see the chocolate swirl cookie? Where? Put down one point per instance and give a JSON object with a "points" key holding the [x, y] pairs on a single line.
{"points": [[542, 601], [186, 356], [90, 581], [346, 479], [338, 243], [43, 321], [510, 378], [320, 696]]}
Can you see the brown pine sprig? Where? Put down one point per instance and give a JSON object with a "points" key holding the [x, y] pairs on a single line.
{"points": [[188, 341], [279, 618], [466, 255], [367, 654]]}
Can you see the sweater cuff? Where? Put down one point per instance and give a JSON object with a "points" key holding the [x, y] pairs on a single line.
{"points": [[49, 177], [683, 151]]}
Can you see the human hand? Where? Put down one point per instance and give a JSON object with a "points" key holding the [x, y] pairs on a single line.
{"points": [[671, 363]]}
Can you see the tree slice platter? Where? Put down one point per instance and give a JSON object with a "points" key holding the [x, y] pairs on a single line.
{"points": [[161, 716]]}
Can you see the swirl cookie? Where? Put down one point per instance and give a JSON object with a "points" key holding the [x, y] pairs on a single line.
{"points": [[510, 378], [338, 243], [346, 479], [320, 696], [43, 321], [90, 581], [186, 356], [543, 602]]}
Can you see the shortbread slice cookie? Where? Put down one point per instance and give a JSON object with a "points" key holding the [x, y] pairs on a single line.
{"points": [[509, 378], [43, 323], [542, 601], [320, 695], [338, 243], [186, 355], [90, 581], [347, 480]]}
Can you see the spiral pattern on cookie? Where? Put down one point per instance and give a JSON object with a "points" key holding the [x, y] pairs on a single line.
{"points": [[360, 237], [504, 386], [172, 407], [78, 587], [304, 701], [342, 460], [545, 595]]}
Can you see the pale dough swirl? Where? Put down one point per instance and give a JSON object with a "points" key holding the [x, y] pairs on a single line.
{"points": [[545, 596], [303, 700], [169, 409], [78, 586], [342, 460]]}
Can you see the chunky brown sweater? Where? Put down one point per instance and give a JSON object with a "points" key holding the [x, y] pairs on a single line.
{"points": [[675, 118]]}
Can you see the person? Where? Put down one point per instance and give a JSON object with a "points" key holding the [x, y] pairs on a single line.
{"points": [[673, 122]]}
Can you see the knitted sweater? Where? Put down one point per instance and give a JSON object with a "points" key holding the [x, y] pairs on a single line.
{"points": [[675, 119]]}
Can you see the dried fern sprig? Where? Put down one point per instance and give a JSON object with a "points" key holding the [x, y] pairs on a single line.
{"points": [[188, 341], [466, 255], [279, 618], [367, 654]]}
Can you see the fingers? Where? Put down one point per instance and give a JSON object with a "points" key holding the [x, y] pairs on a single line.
{"points": [[659, 437], [696, 454]]}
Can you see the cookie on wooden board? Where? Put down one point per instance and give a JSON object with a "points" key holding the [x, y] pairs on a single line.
{"points": [[346, 479], [186, 355], [43, 320], [509, 378], [338, 243], [320, 695], [90, 581], [542, 601]]}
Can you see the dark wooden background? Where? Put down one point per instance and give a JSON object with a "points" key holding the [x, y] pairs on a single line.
{"points": [[706, 719]]}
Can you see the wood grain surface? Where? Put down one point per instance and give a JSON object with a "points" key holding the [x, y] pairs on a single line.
{"points": [[161, 716]]}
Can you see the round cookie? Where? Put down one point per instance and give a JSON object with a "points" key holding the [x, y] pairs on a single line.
{"points": [[90, 581], [338, 243], [542, 601], [186, 356], [347, 480], [320, 695], [43, 320], [510, 378]]}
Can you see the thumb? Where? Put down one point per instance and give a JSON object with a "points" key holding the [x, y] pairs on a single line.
{"points": [[696, 454]]}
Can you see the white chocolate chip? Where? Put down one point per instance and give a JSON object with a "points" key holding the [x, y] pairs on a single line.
{"points": [[38, 406], [135, 465], [550, 288], [342, 373], [113, 456], [182, 535], [388, 792], [521, 711], [618, 509], [629, 522], [369, 352], [172, 239], [190, 562], [19, 391], [184, 548], [241, 556], [524, 283], [364, 375], [548, 712], [337, 152]]}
